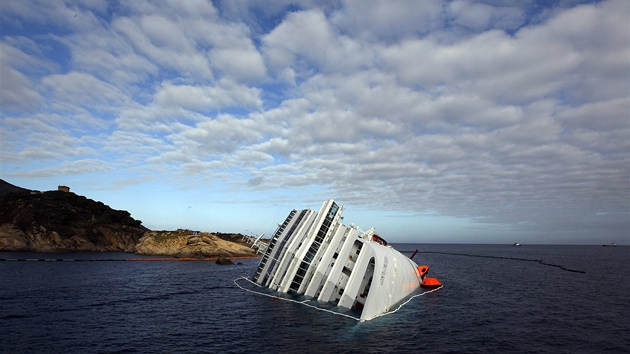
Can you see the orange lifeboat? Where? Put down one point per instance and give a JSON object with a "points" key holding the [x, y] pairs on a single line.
{"points": [[422, 271], [430, 283], [379, 239]]}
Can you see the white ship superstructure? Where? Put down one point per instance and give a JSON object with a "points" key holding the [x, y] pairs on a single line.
{"points": [[313, 254]]}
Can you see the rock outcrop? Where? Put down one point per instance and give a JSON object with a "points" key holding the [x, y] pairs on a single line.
{"points": [[224, 261], [58, 221], [186, 243]]}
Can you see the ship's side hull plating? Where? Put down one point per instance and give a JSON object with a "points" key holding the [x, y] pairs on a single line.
{"points": [[313, 254]]}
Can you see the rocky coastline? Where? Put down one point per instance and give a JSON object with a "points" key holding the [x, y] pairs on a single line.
{"points": [[62, 221], [190, 244]]}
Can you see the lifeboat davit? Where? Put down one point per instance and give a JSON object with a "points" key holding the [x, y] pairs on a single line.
{"points": [[430, 283], [422, 271]]}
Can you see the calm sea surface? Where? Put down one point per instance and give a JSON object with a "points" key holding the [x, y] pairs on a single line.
{"points": [[486, 305]]}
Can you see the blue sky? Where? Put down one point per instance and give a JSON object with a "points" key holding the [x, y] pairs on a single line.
{"points": [[433, 121]]}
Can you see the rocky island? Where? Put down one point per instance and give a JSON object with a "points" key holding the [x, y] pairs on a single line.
{"points": [[191, 244], [62, 221]]}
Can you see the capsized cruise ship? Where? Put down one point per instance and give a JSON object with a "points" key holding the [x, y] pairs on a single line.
{"points": [[314, 255]]}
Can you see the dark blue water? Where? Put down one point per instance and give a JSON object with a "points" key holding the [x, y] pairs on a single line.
{"points": [[486, 305]]}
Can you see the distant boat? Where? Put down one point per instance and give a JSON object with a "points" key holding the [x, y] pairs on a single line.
{"points": [[613, 244], [516, 244]]}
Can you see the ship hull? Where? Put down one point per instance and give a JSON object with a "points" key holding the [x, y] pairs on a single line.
{"points": [[314, 255]]}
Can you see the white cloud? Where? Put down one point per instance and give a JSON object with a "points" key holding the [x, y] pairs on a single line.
{"points": [[39, 139], [224, 134], [66, 168], [175, 55], [133, 147], [81, 89], [17, 92], [306, 34], [17, 89], [479, 17], [388, 20], [79, 15], [239, 64], [463, 109], [193, 9], [200, 98]]}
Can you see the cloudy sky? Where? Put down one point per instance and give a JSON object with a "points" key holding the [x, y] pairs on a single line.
{"points": [[433, 121]]}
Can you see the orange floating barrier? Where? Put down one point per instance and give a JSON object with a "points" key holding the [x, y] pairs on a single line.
{"points": [[430, 283]]}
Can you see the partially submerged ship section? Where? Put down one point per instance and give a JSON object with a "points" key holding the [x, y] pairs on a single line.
{"points": [[314, 255]]}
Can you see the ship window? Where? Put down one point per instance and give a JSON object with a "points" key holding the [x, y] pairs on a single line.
{"points": [[332, 211]]}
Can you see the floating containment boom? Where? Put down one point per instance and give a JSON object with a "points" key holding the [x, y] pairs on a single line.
{"points": [[313, 254]]}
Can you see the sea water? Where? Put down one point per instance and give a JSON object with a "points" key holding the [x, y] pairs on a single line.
{"points": [[495, 303]]}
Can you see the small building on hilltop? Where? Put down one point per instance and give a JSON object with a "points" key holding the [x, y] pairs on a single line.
{"points": [[63, 189]]}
